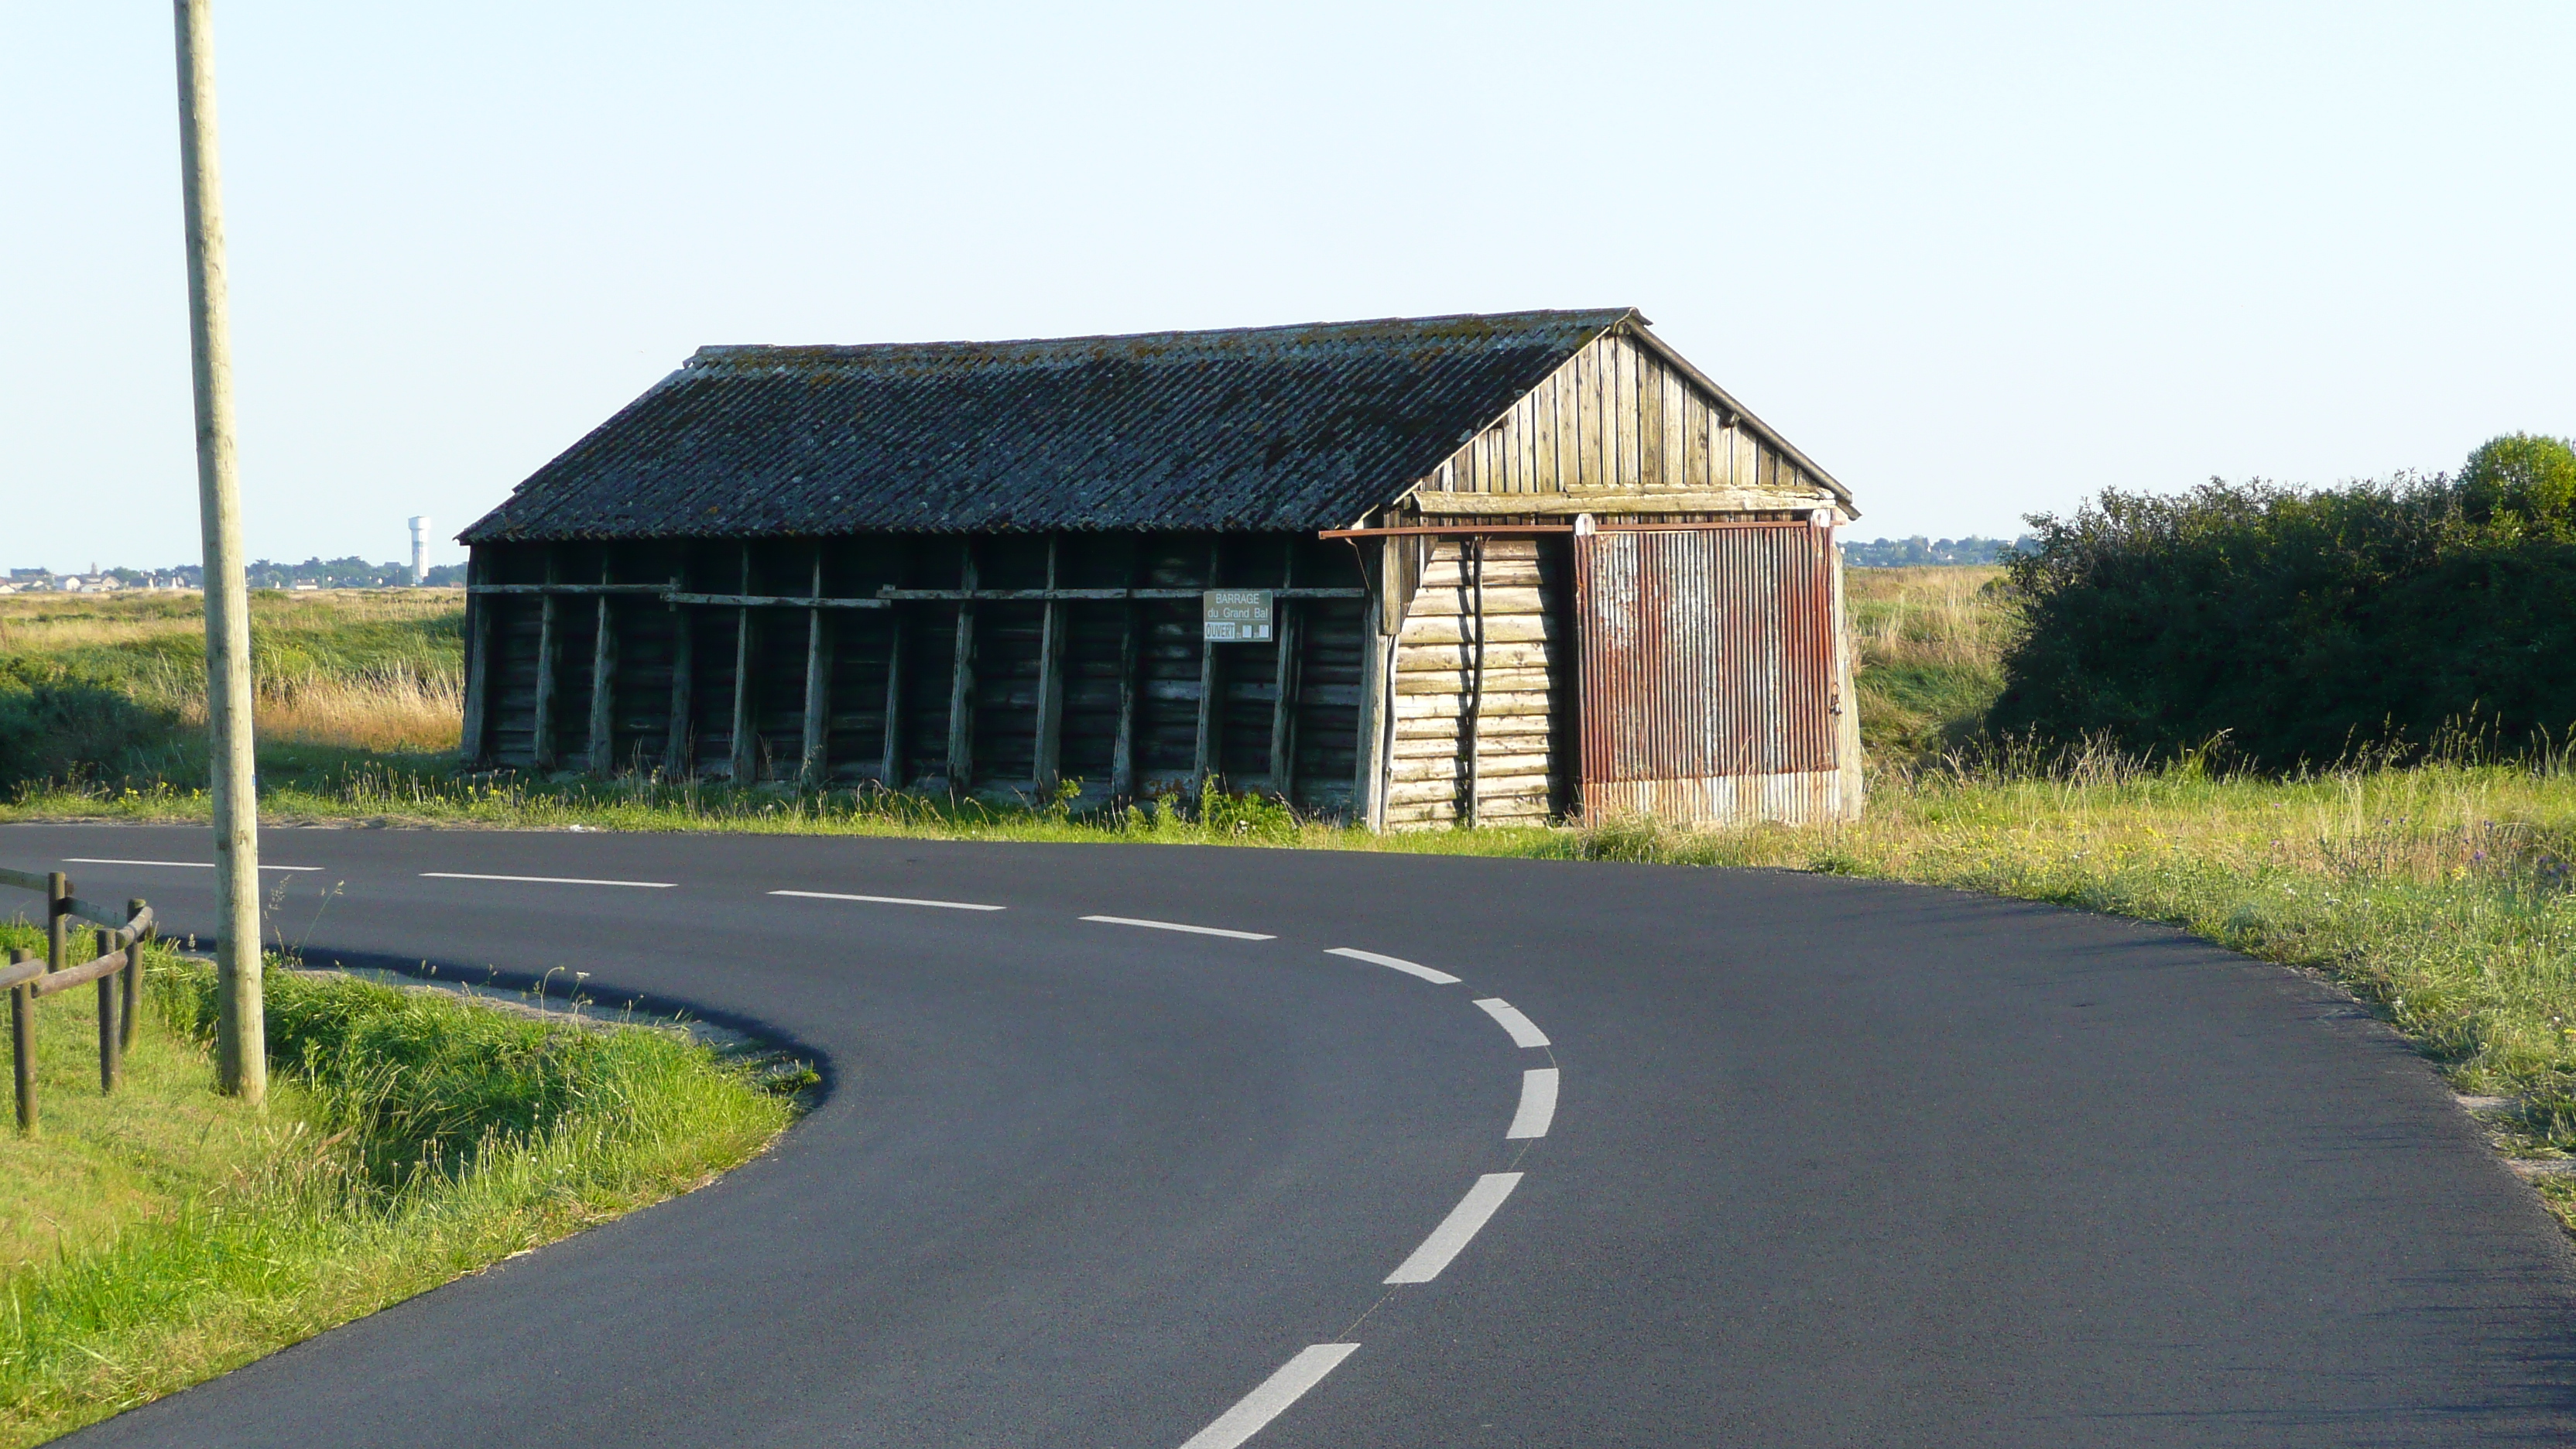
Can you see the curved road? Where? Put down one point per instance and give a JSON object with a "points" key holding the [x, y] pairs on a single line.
{"points": [[1829, 1163]]}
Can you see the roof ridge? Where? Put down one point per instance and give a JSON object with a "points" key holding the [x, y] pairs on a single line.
{"points": [[1175, 341]]}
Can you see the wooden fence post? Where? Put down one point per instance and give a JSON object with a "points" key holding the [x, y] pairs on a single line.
{"points": [[133, 973], [22, 1045], [58, 920], [108, 1061]]}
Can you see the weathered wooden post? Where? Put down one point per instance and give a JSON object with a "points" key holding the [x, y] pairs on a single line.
{"points": [[22, 1044], [1206, 761], [677, 764], [745, 745], [133, 974], [599, 741], [108, 1060], [961, 679], [541, 753], [473, 746], [241, 1024], [1131, 636], [890, 768], [1284, 684], [58, 920], [813, 770], [1052, 630]]}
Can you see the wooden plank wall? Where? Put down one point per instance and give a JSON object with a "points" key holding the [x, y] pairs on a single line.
{"points": [[1110, 689], [1481, 710], [1617, 419]]}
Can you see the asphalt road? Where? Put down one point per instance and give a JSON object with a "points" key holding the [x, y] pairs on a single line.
{"points": [[1830, 1163]]}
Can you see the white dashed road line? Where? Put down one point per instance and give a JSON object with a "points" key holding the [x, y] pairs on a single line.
{"points": [[1177, 926], [179, 864], [889, 900], [1525, 1032], [1274, 1396], [650, 885], [1436, 978], [1458, 1229], [1538, 1104]]}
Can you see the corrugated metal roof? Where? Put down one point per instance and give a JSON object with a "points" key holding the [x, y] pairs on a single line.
{"points": [[1268, 428]]}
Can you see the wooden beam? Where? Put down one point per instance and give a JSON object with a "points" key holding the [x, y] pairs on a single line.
{"points": [[818, 686], [1037, 595], [774, 601], [1205, 757], [1051, 632], [681, 744], [603, 685], [541, 748], [744, 762], [1604, 501], [890, 768], [566, 589], [961, 679], [474, 741]]}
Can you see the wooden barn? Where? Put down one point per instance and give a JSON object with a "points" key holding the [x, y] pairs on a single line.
{"points": [[1423, 571]]}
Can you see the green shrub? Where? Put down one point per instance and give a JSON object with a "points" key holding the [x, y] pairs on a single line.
{"points": [[2523, 484], [55, 725], [2303, 626]]}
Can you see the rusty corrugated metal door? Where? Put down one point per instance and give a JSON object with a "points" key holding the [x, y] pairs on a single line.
{"points": [[1705, 652]]}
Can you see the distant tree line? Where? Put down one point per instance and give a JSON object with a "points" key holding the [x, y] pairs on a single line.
{"points": [[338, 573], [2299, 627], [1918, 551]]}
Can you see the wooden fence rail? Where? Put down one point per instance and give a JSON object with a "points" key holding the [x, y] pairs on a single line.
{"points": [[117, 969]]}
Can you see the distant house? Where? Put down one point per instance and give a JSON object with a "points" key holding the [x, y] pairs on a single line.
{"points": [[1413, 572]]}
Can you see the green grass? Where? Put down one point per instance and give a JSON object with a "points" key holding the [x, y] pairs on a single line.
{"points": [[1930, 644], [2438, 895], [165, 1234]]}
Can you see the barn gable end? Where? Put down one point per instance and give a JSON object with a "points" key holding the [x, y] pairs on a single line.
{"points": [[1626, 425]]}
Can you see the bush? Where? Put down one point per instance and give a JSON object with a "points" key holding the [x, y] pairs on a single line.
{"points": [[59, 726], [2522, 484], [2304, 626]]}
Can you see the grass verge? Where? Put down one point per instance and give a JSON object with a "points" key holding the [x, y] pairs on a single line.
{"points": [[2438, 894], [163, 1235]]}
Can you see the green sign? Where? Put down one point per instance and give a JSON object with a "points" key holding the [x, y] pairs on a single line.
{"points": [[1236, 616]]}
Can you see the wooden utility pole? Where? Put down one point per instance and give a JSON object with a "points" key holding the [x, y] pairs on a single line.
{"points": [[241, 1036]]}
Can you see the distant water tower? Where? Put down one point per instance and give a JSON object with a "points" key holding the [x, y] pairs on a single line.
{"points": [[419, 561]]}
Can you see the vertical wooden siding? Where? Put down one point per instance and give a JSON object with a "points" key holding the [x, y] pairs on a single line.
{"points": [[1318, 741], [1616, 419]]}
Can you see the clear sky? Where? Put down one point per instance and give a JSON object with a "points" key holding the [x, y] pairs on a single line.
{"points": [[1976, 260]]}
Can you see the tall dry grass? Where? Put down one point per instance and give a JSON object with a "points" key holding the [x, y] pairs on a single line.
{"points": [[1931, 615], [1931, 643], [382, 713], [365, 671]]}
